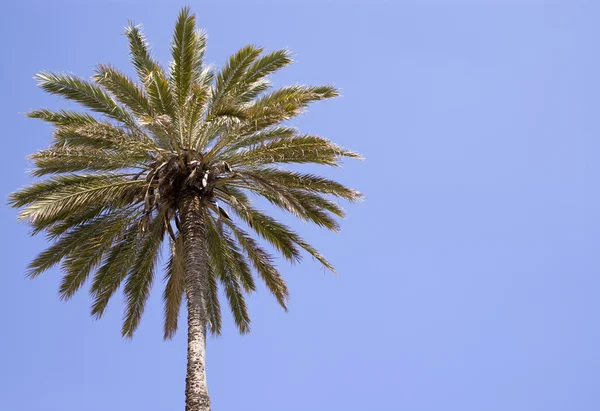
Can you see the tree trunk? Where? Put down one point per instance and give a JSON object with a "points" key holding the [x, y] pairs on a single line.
{"points": [[195, 256]]}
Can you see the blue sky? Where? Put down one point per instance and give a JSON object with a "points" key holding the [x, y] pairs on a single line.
{"points": [[467, 281]]}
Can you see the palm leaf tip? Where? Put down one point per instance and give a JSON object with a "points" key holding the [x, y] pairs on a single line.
{"points": [[328, 91]]}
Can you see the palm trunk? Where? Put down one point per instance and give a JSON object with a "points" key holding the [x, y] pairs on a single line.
{"points": [[195, 255]]}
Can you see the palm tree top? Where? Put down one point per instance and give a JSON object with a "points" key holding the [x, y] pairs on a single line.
{"points": [[113, 179]]}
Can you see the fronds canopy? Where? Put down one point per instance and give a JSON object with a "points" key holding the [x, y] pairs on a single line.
{"points": [[112, 180]]}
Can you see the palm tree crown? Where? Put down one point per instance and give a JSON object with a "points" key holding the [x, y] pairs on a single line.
{"points": [[112, 183]]}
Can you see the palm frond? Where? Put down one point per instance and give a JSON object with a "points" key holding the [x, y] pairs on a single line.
{"points": [[219, 126], [272, 109], [254, 80], [230, 76], [273, 193], [59, 228], [59, 203], [263, 264], [314, 253], [277, 234], [198, 101], [114, 269], [33, 192], [63, 117], [85, 93], [237, 302], [69, 160], [140, 54], [87, 255], [283, 104], [161, 99], [174, 288], [102, 135], [261, 137], [141, 275], [307, 206], [305, 181], [184, 48], [301, 149], [224, 268], [213, 307], [266, 65], [201, 75], [124, 89], [237, 262], [73, 239], [311, 200], [252, 91]]}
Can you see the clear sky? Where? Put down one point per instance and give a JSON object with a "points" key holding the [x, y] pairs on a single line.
{"points": [[468, 280]]}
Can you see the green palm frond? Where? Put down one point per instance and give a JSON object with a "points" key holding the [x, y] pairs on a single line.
{"points": [[87, 255], [140, 54], [124, 89], [161, 98], [275, 194], [229, 77], [201, 75], [277, 234], [304, 202], [184, 48], [198, 101], [283, 104], [141, 275], [213, 307], [222, 125], [69, 160], [225, 266], [255, 80], [314, 253], [57, 184], [237, 302], [263, 264], [305, 181], [102, 135], [63, 117], [85, 93], [300, 150], [265, 66], [110, 191], [174, 288], [54, 231], [114, 269], [261, 137], [310, 201], [238, 263], [308, 207], [73, 239]]}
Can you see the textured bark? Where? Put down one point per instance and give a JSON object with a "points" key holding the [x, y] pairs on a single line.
{"points": [[195, 255]]}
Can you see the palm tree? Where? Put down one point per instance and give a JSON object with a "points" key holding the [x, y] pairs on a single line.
{"points": [[166, 158]]}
